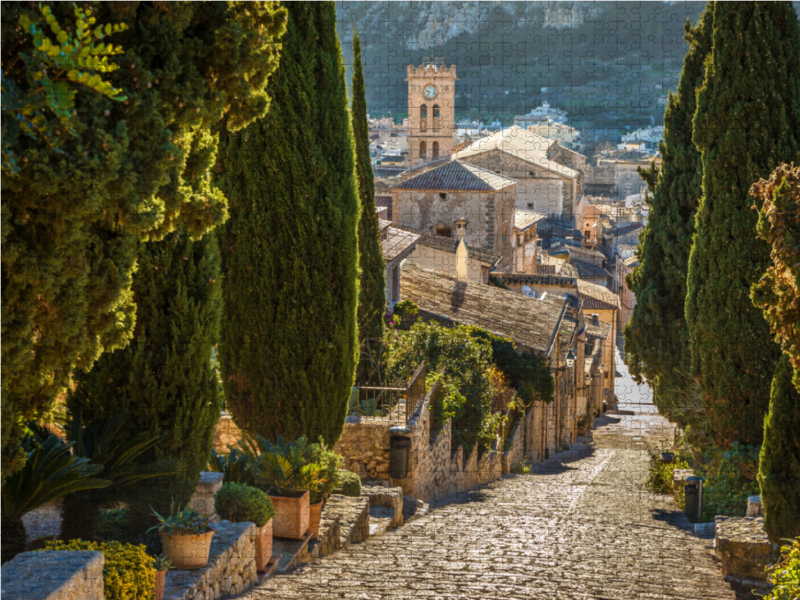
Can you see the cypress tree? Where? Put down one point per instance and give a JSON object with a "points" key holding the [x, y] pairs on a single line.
{"points": [[779, 459], [747, 122], [289, 343], [164, 378], [656, 336], [132, 171], [371, 298]]}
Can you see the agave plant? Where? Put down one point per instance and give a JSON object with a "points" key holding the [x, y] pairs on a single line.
{"points": [[50, 472], [110, 445], [183, 521], [237, 466]]}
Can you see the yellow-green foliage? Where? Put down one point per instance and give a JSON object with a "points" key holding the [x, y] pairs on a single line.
{"points": [[128, 573], [659, 478]]}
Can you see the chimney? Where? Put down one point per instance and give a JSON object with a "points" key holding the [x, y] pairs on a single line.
{"points": [[462, 261], [595, 319]]}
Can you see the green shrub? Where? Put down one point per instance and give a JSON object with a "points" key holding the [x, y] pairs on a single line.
{"points": [[730, 478], [237, 502], [113, 524], [785, 573], [659, 477], [128, 573], [349, 483], [331, 462]]}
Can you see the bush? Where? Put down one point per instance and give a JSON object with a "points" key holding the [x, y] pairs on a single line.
{"points": [[113, 524], [237, 502], [729, 480], [785, 574], [331, 462], [659, 478], [349, 483], [128, 573]]}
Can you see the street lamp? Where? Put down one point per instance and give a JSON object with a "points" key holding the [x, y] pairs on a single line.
{"points": [[570, 359], [602, 368]]}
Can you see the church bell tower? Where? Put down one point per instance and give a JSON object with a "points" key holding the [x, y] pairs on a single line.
{"points": [[431, 111]]}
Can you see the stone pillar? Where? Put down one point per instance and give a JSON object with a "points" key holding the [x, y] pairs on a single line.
{"points": [[754, 507], [203, 499], [54, 575]]}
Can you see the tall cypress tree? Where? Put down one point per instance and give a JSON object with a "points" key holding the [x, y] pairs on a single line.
{"points": [[73, 217], [779, 460], [289, 340], [164, 378], [372, 298], [656, 336], [747, 122]]}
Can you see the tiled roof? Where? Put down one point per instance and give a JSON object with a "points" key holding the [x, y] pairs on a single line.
{"points": [[597, 297], [397, 244], [575, 251], [538, 279], [625, 229], [459, 176], [601, 330], [530, 322], [526, 218], [631, 261], [589, 271], [521, 144], [446, 244]]}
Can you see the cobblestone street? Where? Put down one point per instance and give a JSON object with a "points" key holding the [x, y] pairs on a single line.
{"points": [[581, 526]]}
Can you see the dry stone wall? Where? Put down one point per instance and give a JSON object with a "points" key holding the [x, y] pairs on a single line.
{"points": [[365, 446], [54, 575]]}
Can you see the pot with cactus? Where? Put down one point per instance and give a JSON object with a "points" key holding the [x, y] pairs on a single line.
{"points": [[161, 565], [237, 502], [185, 537], [287, 471]]}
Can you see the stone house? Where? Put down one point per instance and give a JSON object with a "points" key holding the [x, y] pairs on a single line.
{"points": [[441, 253], [621, 234], [396, 244], [550, 176], [626, 262], [600, 301], [458, 200], [548, 326]]}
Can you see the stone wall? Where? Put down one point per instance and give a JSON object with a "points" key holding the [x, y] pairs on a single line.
{"points": [[231, 567], [226, 432], [54, 575], [437, 470], [365, 446], [742, 546], [203, 499]]}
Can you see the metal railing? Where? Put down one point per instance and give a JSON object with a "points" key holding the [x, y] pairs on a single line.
{"points": [[395, 403]]}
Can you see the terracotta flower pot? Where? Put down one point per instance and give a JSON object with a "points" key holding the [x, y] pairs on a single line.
{"points": [[161, 579], [263, 541], [314, 518], [291, 515], [187, 552]]}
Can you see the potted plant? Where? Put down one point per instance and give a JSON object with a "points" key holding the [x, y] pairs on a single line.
{"points": [[237, 502], [288, 474], [161, 564], [330, 463], [185, 537]]}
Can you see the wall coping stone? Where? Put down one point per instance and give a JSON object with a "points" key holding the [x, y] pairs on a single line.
{"points": [[70, 575], [742, 544]]}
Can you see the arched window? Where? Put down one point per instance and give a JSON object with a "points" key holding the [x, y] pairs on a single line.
{"points": [[436, 121], [423, 149], [423, 111], [435, 111], [435, 150]]}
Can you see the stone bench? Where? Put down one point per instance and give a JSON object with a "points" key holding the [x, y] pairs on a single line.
{"points": [[54, 575], [743, 547], [385, 507]]}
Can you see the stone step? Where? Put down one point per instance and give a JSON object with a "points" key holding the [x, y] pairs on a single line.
{"points": [[385, 497], [380, 520], [414, 508]]}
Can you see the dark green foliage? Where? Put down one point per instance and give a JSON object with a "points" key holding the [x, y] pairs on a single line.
{"points": [[236, 465], [469, 390], [289, 340], [349, 483], [50, 472], [730, 479], [111, 445], [526, 372], [777, 293], [237, 502], [656, 336], [165, 379], [779, 461], [406, 313], [660, 474], [130, 171], [747, 122], [371, 294]]}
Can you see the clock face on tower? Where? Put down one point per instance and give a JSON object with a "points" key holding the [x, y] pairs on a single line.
{"points": [[429, 91]]}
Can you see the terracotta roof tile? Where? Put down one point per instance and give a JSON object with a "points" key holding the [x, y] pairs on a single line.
{"points": [[456, 175]]}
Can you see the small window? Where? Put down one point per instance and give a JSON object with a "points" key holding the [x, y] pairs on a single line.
{"points": [[443, 196], [498, 172], [444, 232], [530, 205]]}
